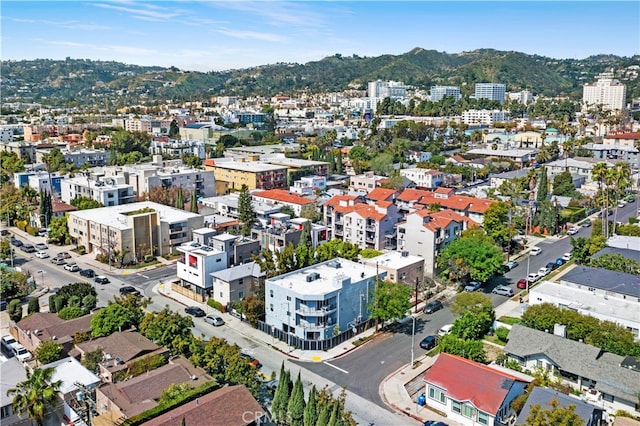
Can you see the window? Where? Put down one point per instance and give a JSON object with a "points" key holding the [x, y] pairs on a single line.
{"points": [[271, 294], [437, 395], [221, 295], [483, 418], [468, 411], [5, 411], [271, 307], [218, 260], [289, 298], [241, 294], [456, 407]]}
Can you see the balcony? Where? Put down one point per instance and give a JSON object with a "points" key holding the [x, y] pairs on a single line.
{"points": [[370, 228], [339, 220], [390, 245], [338, 231], [312, 326], [439, 240], [370, 238], [315, 311]]}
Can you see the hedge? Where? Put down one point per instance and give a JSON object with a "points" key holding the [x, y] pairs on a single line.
{"points": [[217, 305]]}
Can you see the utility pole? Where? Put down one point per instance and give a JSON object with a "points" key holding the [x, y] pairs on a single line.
{"points": [[86, 401]]}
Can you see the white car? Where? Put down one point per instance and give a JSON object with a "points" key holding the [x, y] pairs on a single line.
{"points": [[533, 277], [566, 257], [542, 272], [446, 329], [535, 251], [573, 230], [622, 203], [21, 352], [42, 255]]}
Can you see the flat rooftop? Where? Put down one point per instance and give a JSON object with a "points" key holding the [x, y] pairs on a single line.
{"points": [[516, 153], [249, 166], [332, 274], [585, 300], [114, 216], [394, 260]]}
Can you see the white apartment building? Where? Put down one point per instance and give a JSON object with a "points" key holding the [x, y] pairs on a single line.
{"points": [[606, 91], [423, 178], [196, 264], [227, 205], [202, 181], [79, 157], [107, 191], [425, 234], [378, 90], [307, 185], [524, 97], [439, 92], [176, 148], [366, 182], [491, 91], [484, 117]]}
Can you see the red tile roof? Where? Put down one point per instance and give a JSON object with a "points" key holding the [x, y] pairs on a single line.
{"points": [[210, 162], [283, 196], [382, 194], [336, 199], [629, 135], [442, 219], [368, 212], [446, 199], [465, 380], [443, 190]]}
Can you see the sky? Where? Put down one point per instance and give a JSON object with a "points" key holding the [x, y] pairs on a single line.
{"points": [[222, 35]]}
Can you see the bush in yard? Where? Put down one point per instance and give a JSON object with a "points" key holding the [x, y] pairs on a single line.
{"points": [[52, 304], [15, 310], [70, 312], [33, 306], [502, 333]]}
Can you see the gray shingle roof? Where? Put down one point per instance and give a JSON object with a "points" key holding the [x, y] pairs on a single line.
{"points": [[251, 269], [542, 397], [628, 253], [616, 282], [577, 358]]}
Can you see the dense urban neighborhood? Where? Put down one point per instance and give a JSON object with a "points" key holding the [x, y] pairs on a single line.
{"points": [[388, 253]]}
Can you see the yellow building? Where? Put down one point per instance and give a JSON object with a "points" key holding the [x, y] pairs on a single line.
{"points": [[231, 175]]}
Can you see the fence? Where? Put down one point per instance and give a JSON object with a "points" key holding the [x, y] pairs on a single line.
{"points": [[313, 345]]}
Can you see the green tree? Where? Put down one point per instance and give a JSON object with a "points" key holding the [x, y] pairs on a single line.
{"points": [[311, 212], [174, 130], [14, 309], [36, 395], [337, 248], [70, 312], [58, 231], [563, 185], [85, 203], [472, 326], [616, 262], [112, 318], [90, 360], [179, 199], [296, 404], [497, 223], [473, 254], [166, 328], [390, 300], [48, 351], [288, 210], [286, 259], [54, 161], [554, 415], [543, 185], [470, 349], [193, 202], [10, 162], [472, 302], [311, 409], [246, 213], [33, 305]]}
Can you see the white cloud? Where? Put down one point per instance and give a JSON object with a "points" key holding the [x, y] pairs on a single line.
{"points": [[278, 13], [142, 10], [252, 35]]}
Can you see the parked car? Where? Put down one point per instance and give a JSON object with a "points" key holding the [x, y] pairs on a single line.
{"points": [[89, 273], [566, 257], [622, 203], [573, 230], [543, 272], [251, 360], [522, 284], [432, 307], [586, 223], [609, 213], [560, 261], [126, 290], [473, 286], [429, 342], [445, 329], [533, 277], [42, 255], [64, 255], [41, 246], [42, 232], [101, 279], [7, 344], [434, 423], [28, 248], [16, 243], [58, 261], [195, 311], [510, 265], [535, 251], [4, 232], [72, 267], [503, 290], [552, 266], [214, 320], [21, 352]]}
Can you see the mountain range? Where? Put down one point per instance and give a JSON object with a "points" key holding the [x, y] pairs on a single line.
{"points": [[81, 82]]}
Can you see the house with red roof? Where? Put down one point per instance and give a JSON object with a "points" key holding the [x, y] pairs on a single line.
{"points": [[282, 197], [381, 194], [425, 233], [366, 182], [630, 139], [471, 393], [445, 198]]}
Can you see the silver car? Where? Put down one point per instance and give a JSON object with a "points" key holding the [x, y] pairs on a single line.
{"points": [[214, 320]]}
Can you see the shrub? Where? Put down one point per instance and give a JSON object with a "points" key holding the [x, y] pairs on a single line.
{"points": [[70, 312], [81, 336], [15, 310], [52, 304], [81, 250], [34, 305], [502, 333], [31, 230], [216, 305]]}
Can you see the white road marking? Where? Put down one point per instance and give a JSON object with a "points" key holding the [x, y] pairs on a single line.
{"points": [[337, 368], [143, 276]]}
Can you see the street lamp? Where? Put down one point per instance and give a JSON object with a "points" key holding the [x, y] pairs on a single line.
{"points": [[41, 276]]}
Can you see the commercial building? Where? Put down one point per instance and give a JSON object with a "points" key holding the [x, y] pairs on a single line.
{"points": [[139, 229], [491, 91], [439, 92], [307, 307], [606, 91]]}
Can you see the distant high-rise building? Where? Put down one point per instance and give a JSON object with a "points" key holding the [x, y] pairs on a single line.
{"points": [[607, 91], [491, 91], [439, 92], [524, 96], [378, 90]]}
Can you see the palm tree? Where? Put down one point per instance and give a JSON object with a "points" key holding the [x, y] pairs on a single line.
{"points": [[36, 395], [621, 180], [601, 173]]}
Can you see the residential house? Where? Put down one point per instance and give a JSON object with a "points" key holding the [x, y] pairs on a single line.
{"points": [[123, 400], [12, 372], [428, 178], [630, 154], [520, 156], [608, 380], [366, 182], [629, 139], [119, 350], [471, 393], [234, 284], [139, 229], [40, 327], [579, 165], [381, 194], [282, 231], [284, 198], [74, 380], [307, 185], [426, 234], [418, 156], [401, 267], [600, 293], [228, 406], [307, 306], [59, 208], [444, 198], [588, 413]]}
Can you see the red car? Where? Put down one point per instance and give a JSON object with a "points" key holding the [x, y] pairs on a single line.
{"points": [[522, 283]]}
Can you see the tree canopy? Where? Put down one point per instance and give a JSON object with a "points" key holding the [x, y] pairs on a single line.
{"points": [[474, 254]]}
